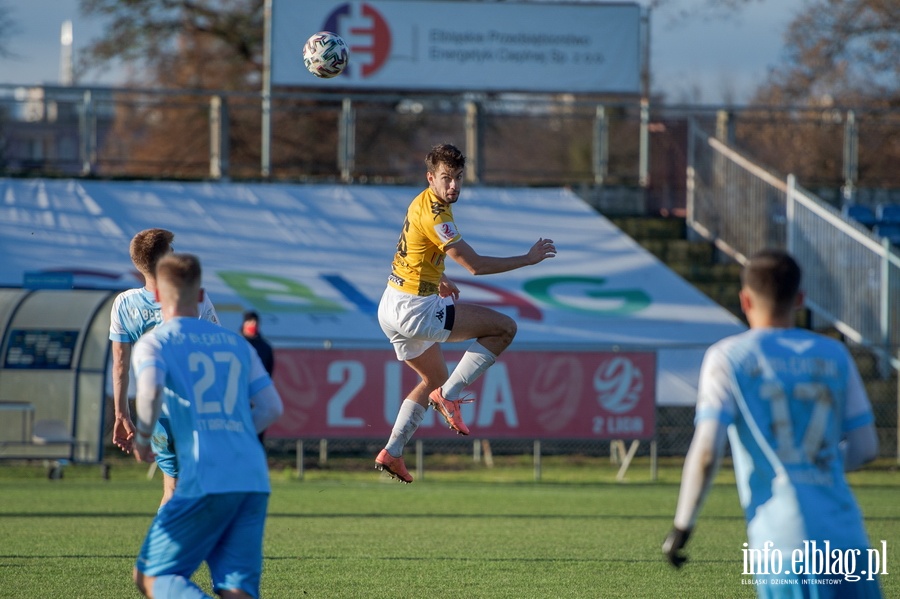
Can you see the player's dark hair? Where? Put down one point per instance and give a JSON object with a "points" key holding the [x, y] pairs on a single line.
{"points": [[181, 270], [775, 276], [148, 246], [446, 154]]}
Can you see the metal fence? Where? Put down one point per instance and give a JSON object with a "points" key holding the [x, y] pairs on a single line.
{"points": [[352, 138], [526, 139], [851, 275], [826, 147]]}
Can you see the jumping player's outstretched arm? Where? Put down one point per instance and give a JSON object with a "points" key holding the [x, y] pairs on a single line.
{"points": [[466, 256]]}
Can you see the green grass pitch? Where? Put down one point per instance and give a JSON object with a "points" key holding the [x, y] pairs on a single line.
{"points": [[462, 532]]}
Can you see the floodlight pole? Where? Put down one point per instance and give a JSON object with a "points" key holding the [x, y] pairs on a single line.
{"points": [[601, 145], [645, 52], [474, 131], [266, 134], [851, 156], [644, 144]]}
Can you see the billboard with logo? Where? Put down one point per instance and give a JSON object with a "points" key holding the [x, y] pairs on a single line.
{"points": [[525, 395], [465, 46]]}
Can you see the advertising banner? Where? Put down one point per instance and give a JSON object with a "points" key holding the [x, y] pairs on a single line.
{"points": [[465, 46], [525, 395], [313, 261]]}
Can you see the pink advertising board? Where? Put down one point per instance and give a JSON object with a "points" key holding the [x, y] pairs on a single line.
{"points": [[525, 395]]}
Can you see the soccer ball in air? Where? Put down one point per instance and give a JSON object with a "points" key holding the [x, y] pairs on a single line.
{"points": [[325, 54]]}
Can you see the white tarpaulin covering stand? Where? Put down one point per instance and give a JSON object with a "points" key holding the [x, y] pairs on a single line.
{"points": [[313, 260]]}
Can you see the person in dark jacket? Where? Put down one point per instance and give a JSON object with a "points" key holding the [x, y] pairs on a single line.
{"points": [[250, 331]]}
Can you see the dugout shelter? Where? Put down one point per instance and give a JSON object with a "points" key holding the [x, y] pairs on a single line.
{"points": [[52, 375]]}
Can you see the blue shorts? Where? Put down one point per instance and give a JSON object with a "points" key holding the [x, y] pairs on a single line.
{"points": [[164, 447], [225, 530]]}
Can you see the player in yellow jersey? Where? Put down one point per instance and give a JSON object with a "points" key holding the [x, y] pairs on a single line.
{"points": [[417, 311]]}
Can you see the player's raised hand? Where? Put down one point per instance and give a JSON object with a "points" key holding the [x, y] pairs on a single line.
{"points": [[541, 250], [674, 543], [123, 433]]}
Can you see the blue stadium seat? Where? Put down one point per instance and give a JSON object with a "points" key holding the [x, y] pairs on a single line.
{"points": [[888, 214], [890, 231], [861, 213]]}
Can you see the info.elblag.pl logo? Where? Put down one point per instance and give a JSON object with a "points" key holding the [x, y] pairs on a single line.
{"points": [[814, 563]]}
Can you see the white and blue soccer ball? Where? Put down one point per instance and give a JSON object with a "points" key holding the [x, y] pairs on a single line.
{"points": [[325, 54]]}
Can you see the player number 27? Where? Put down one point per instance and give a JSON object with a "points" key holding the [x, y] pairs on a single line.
{"points": [[787, 445], [204, 365]]}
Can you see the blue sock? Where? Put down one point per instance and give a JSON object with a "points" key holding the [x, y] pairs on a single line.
{"points": [[171, 587]]}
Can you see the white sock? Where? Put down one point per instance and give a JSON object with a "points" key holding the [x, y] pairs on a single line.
{"points": [[472, 365], [177, 586], [408, 419]]}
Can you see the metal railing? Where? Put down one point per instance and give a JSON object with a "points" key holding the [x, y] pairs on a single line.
{"points": [[850, 273]]}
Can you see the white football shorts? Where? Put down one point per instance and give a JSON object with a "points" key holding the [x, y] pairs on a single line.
{"points": [[413, 323]]}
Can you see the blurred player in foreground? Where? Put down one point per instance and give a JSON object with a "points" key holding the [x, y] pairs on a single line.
{"points": [[134, 312], [797, 416], [417, 311], [218, 396]]}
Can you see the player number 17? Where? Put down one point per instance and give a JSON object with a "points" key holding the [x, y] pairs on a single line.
{"points": [[787, 446]]}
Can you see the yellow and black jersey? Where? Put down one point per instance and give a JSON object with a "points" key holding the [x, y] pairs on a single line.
{"points": [[427, 231]]}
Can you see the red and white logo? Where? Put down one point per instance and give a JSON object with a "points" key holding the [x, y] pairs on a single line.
{"points": [[446, 231], [366, 32]]}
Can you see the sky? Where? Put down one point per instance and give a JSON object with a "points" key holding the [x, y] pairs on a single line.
{"points": [[708, 61]]}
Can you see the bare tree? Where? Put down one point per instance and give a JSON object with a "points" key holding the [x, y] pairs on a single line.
{"points": [[839, 55], [181, 43], [840, 52], [190, 45]]}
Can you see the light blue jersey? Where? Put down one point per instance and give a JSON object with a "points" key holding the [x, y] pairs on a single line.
{"points": [[788, 397], [134, 312], [209, 374]]}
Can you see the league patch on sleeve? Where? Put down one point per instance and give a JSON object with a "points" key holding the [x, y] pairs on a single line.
{"points": [[446, 231]]}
